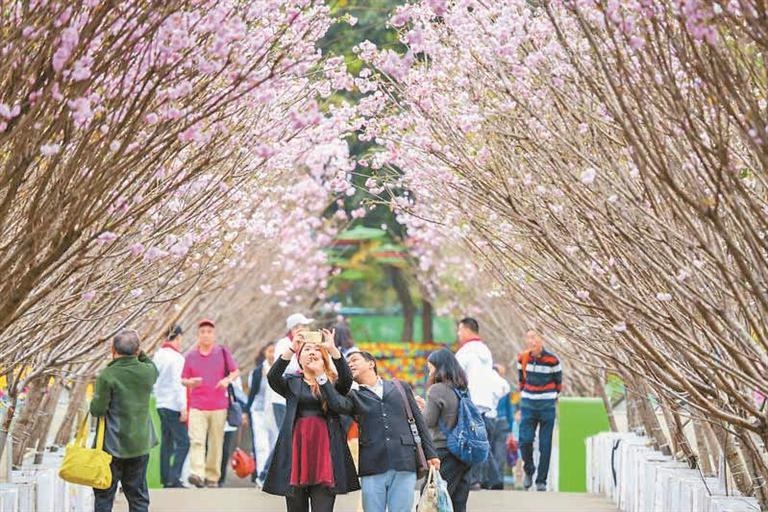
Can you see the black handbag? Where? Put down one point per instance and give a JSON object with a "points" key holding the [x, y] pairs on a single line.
{"points": [[234, 409]]}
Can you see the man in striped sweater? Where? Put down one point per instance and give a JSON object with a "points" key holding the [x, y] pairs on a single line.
{"points": [[540, 376]]}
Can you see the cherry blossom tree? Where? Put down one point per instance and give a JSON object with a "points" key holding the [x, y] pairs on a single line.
{"points": [[152, 154], [605, 162]]}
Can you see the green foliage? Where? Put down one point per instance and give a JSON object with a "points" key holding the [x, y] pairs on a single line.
{"points": [[372, 16]]}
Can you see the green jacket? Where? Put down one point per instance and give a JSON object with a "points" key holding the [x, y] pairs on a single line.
{"points": [[122, 395]]}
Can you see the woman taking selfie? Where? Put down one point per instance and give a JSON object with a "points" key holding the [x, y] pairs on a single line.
{"points": [[441, 410], [311, 461]]}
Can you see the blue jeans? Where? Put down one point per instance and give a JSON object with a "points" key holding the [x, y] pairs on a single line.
{"points": [[530, 419], [499, 449], [174, 446], [392, 491]]}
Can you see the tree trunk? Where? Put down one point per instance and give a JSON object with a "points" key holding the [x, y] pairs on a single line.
{"points": [[673, 439], [704, 457], [606, 403], [734, 459], [10, 414], [713, 444], [756, 465], [427, 313], [634, 422], [22, 429], [682, 440], [48, 410], [76, 401], [650, 420], [400, 283]]}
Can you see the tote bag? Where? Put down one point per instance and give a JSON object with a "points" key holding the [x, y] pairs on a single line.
{"points": [[87, 466], [434, 496]]}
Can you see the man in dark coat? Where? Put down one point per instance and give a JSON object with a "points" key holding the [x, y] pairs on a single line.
{"points": [[388, 452]]}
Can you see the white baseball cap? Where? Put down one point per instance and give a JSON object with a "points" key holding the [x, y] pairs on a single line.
{"points": [[297, 319]]}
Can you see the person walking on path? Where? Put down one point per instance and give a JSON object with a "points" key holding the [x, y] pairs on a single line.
{"points": [[388, 458], [262, 418], [506, 411], [208, 370], [171, 403], [476, 360], [493, 474], [441, 412], [231, 432], [505, 420], [121, 395], [541, 377], [311, 461]]}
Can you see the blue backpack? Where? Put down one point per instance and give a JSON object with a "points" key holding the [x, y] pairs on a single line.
{"points": [[468, 440]]}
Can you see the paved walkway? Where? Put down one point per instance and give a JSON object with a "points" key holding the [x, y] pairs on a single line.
{"points": [[252, 500]]}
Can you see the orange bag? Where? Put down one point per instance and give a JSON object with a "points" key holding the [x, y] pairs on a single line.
{"points": [[242, 463], [525, 358], [353, 432]]}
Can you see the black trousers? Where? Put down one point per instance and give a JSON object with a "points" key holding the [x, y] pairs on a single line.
{"points": [[226, 453], [456, 475], [488, 473], [132, 473], [174, 446], [321, 497]]}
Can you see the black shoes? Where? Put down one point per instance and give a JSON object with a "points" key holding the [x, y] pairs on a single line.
{"points": [[527, 481]]}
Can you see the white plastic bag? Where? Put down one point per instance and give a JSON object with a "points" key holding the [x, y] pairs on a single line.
{"points": [[434, 496]]}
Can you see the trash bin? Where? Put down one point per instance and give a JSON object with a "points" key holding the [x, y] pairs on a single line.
{"points": [[578, 419]]}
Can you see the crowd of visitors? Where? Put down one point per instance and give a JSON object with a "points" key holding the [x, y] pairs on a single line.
{"points": [[305, 395]]}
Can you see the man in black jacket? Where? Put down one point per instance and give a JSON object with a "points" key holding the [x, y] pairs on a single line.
{"points": [[388, 454]]}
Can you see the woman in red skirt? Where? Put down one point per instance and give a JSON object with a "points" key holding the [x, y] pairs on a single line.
{"points": [[311, 461]]}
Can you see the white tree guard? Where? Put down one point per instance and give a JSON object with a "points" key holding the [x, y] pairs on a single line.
{"points": [[647, 481]]}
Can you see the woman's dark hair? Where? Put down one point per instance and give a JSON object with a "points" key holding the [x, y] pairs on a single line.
{"points": [[174, 332], [447, 369], [342, 337], [262, 355]]}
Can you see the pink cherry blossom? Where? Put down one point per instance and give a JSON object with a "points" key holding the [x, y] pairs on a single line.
{"points": [[106, 237], [50, 149]]}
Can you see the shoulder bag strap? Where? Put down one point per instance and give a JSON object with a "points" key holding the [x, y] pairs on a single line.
{"points": [[100, 428], [422, 459], [82, 433], [230, 391]]}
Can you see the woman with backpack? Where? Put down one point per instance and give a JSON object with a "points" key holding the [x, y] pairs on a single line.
{"points": [[441, 414]]}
